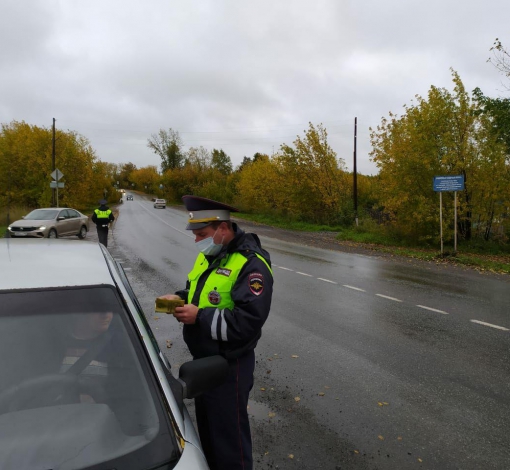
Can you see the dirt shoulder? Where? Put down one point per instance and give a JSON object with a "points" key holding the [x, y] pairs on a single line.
{"points": [[328, 241]]}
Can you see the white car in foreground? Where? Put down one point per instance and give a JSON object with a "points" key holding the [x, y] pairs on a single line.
{"points": [[83, 383]]}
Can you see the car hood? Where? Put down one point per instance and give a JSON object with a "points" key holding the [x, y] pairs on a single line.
{"points": [[31, 222]]}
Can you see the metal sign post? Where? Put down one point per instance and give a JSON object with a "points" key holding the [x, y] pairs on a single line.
{"points": [[56, 175], [448, 183]]}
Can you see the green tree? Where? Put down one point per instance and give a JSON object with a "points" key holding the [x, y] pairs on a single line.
{"points": [[498, 111], [221, 161], [168, 145]]}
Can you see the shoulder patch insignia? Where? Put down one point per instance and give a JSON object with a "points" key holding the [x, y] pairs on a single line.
{"points": [[223, 271], [256, 283]]}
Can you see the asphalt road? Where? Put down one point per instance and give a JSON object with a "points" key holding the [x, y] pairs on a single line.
{"points": [[364, 363]]}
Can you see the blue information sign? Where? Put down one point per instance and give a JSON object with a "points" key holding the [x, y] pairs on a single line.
{"points": [[449, 183]]}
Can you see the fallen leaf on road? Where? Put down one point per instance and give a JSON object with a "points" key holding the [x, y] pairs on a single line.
{"points": [[271, 414], [294, 356], [380, 437], [291, 456], [297, 399], [262, 389], [321, 394]]}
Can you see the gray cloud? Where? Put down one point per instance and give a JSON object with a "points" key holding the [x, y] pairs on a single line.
{"points": [[244, 77]]}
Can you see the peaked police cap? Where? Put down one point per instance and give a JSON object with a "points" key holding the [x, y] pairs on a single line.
{"points": [[203, 211]]}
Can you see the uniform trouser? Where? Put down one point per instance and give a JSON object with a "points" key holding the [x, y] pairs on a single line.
{"points": [[222, 418], [102, 234]]}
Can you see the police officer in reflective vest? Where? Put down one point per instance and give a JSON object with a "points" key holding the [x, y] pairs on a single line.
{"points": [[227, 300], [102, 218]]}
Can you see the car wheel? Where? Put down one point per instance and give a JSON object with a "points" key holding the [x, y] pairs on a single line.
{"points": [[52, 233], [83, 232]]}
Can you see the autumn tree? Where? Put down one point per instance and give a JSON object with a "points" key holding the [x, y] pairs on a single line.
{"points": [[26, 166], [146, 178], [123, 174], [259, 188], [439, 135], [312, 173], [304, 182], [168, 145]]}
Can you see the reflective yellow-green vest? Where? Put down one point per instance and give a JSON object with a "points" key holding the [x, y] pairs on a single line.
{"points": [[218, 286], [103, 214]]}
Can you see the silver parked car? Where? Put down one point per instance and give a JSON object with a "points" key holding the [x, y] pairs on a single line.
{"points": [[51, 222], [83, 382]]}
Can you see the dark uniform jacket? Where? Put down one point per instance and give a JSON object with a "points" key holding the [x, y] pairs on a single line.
{"points": [[102, 222], [242, 325]]}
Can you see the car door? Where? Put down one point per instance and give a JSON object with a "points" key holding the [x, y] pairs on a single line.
{"points": [[74, 221], [63, 225]]}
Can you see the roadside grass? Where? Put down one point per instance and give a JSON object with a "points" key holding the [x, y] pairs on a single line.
{"points": [[481, 255]]}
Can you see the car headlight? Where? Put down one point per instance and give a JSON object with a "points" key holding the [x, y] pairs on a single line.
{"points": [[42, 227]]}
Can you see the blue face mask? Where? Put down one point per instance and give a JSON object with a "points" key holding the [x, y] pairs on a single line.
{"points": [[208, 247]]}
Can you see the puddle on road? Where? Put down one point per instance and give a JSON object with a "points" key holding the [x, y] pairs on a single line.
{"points": [[257, 410]]}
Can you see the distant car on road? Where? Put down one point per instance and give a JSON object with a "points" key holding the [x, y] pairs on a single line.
{"points": [[129, 197], [50, 222], [160, 203], [83, 382]]}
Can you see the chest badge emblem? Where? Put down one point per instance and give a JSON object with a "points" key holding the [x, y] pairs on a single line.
{"points": [[214, 297]]}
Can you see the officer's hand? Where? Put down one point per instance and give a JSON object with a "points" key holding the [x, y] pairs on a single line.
{"points": [[186, 314]]}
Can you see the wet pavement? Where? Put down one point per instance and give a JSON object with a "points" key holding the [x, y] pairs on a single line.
{"points": [[363, 362]]}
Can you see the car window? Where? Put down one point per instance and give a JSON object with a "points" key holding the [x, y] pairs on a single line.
{"points": [[64, 213], [42, 214], [76, 386], [72, 213]]}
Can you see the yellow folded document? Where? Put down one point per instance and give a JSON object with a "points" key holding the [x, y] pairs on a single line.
{"points": [[168, 306]]}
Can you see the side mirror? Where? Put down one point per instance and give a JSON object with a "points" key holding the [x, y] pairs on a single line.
{"points": [[200, 375], [61, 218]]}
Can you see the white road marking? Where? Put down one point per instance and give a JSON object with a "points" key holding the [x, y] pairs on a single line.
{"points": [[433, 309], [389, 298], [304, 274], [285, 269], [355, 288], [491, 325], [326, 280]]}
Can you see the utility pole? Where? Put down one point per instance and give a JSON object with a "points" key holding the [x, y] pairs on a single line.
{"points": [[355, 174], [53, 203]]}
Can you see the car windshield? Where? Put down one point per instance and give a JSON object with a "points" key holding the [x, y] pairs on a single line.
{"points": [[76, 388], [42, 214]]}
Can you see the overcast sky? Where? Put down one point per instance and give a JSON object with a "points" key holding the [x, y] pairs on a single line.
{"points": [[235, 75]]}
